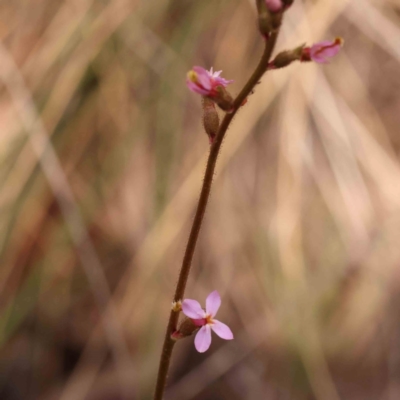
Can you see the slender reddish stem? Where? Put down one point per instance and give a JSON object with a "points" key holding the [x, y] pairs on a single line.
{"points": [[201, 208]]}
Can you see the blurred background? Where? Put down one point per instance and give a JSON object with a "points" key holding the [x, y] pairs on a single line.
{"points": [[102, 154]]}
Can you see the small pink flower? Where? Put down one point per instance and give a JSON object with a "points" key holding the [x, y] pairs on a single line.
{"points": [[274, 5], [205, 319], [322, 51], [204, 82]]}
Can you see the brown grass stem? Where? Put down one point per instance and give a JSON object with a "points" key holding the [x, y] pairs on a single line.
{"points": [[201, 208]]}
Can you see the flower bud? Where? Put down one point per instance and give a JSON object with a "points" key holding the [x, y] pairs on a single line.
{"points": [[223, 99], [264, 18], [269, 16], [210, 118], [321, 52], [274, 5], [186, 328]]}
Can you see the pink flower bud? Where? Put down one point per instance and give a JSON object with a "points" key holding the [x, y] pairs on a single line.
{"points": [[210, 118], [274, 5], [321, 52]]}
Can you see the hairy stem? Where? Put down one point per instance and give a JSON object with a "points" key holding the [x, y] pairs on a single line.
{"points": [[201, 208]]}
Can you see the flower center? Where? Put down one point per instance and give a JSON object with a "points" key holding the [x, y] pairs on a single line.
{"points": [[209, 319]]}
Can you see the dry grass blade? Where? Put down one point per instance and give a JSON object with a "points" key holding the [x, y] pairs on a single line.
{"points": [[53, 171]]}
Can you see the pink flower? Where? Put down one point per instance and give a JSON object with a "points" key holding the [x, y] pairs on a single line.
{"points": [[204, 82], [322, 51], [274, 5], [205, 319]]}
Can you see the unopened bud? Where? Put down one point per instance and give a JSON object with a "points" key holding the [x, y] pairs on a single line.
{"points": [[210, 118], [264, 18], [186, 328], [321, 52], [223, 99], [274, 5], [269, 15]]}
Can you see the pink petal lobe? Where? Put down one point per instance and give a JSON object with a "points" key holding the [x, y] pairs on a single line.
{"points": [[332, 51], [222, 81], [192, 309], [320, 59], [203, 77], [322, 51], [195, 88], [202, 340], [222, 330], [321, 44], [213, 303], [199, 70], [205, 81]]}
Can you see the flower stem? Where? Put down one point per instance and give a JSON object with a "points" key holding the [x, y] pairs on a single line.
{"points": [[201, 208]]}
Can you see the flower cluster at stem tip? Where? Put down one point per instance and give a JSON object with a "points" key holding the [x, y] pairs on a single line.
{"points": [[205, 320]]}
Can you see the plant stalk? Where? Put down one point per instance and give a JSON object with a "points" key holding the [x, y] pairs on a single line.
{"points": [[201, 208]]}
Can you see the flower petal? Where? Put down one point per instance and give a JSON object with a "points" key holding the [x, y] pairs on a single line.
{"points": [[213, 302], [192, 309], [200, 70], [322, 51], [320, 59], [222, 81], [205, 82], [203, 78], [202, 340], [222, 330], [194, 87], [213, 74]]}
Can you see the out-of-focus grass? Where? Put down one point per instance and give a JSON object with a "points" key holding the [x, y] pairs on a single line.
{"points": [[301, 234]]}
